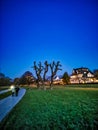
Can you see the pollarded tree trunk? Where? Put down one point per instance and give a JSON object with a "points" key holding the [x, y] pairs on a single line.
{"points": [[54, 68], [37, 82], [38, 69], [51, 83], [44, 75]]}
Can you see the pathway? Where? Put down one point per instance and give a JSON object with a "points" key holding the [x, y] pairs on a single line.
{"points": [[8, 103]]}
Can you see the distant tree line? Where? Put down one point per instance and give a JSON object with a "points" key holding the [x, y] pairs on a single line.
{"points": [[26, 79], [96, 73], [40, 78], [4, 81]]}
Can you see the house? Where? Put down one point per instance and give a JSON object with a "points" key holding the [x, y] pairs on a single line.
{"points": [[82, 75], [58, 80]]}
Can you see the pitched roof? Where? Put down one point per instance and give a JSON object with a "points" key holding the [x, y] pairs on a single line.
{"points": [[81, 70]]}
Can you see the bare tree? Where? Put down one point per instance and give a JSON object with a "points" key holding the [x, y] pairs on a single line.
{"points": [[44, 74], [66, 78], [45, 70], [54, 67], [38, 70]]}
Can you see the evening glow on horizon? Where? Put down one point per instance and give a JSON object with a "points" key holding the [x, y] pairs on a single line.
{"points": [[59, 30]]}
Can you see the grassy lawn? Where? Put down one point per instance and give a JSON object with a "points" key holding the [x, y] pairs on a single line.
{"points": [[83, 85], [58, 109]]}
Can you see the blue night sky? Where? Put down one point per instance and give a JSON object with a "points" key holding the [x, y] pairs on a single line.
{"points": [[39, 30]]}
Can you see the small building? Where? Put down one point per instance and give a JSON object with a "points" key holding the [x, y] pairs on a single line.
{"points": [[81, 75], [58, 80]]}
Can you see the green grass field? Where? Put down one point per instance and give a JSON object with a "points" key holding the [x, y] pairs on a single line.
{"points": [[57, 109]]}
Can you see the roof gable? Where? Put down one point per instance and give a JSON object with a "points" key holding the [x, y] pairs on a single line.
{"points": [[82, 70]]}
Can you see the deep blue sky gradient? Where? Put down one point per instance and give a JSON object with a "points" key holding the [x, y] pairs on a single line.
{"points": [[39, 30]]}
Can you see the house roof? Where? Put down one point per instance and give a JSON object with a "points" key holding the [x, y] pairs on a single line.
{"points": [[81, 70], [57, 77]]}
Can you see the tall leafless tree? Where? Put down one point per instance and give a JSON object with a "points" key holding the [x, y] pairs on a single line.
{"points": [[45, 70], [54, 67], [38, 70], [46, 66]]}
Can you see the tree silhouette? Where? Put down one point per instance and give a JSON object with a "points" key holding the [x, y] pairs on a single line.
{"points": [[96, 73], [66, 78], [38, 70], [17, 81], [26, 78], [45, 69], [41, 71], [4, 81], [54, 67]]}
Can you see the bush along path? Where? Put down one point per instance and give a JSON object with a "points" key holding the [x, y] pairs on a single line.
{"points": [[8, 103]]}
